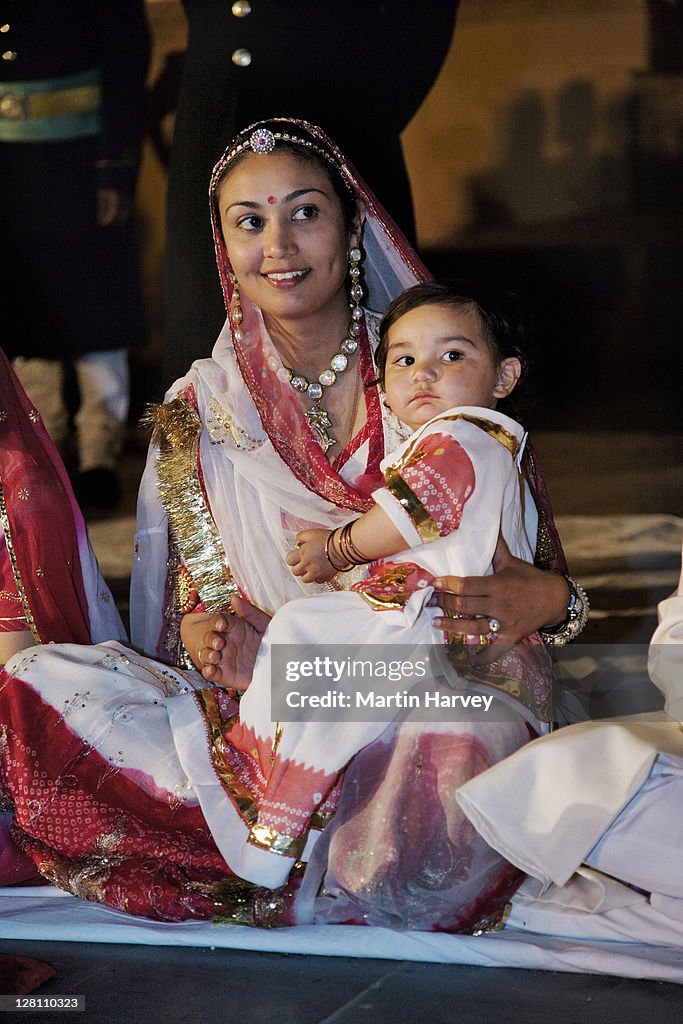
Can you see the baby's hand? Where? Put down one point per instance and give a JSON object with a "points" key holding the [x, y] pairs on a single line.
{"points": [[308, 559]]}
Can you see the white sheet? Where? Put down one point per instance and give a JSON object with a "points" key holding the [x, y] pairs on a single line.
{"points": [[538, 935]]}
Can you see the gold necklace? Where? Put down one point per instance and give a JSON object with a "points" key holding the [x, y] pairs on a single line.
{"points": [[317, 416], [356, 400]]}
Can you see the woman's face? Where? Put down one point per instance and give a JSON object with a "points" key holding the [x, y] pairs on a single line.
{"points": [[284, 231]]}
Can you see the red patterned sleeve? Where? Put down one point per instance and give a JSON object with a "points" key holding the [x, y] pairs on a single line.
{"points": [[432, 485]]}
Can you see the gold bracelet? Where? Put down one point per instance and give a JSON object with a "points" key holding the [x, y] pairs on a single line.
{"points": [[329, 546], [355, 553]]}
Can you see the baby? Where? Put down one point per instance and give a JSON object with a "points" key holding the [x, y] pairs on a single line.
{"points": [[446, 357]]}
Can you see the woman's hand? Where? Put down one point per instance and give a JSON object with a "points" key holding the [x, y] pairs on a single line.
{"points": [[309, 559], [224, 647], [519, 596]]}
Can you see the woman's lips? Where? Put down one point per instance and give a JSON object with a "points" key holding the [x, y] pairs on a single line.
{"points": [[286, 278]]}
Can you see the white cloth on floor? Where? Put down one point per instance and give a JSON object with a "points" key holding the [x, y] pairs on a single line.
{"points": [[546, 807]]}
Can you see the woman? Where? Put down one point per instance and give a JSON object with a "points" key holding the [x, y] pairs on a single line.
{"points": [[308, 48], [272, 416], [51, 588], [249, 454]]}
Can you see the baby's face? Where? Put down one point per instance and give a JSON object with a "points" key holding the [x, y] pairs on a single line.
{"points": [[439, 357]]}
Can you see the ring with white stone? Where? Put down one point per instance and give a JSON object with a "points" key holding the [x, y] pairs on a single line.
{"points": [[495, 626]]}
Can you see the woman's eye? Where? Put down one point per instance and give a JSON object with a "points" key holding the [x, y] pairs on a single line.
{"points": [[252, 222], [307, 212], [404, 361], [451, 356]]}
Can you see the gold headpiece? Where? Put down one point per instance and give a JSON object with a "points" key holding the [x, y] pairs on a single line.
{"points": [[259, 139]]}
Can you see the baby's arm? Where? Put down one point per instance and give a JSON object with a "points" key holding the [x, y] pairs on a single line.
{"points": [[423, 497], [321, 554]]}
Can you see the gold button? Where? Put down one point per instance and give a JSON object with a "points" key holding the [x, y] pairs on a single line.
{"points": [[4, 28], [11, 55], [242, 58], [12, 108], [241, 8]]}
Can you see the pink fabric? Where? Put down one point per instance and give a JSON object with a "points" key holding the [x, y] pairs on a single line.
{"points": [[20, 975], [442, 479], [437, 874], [534, 476], [15, 867], [92, 830], [43, 520]]}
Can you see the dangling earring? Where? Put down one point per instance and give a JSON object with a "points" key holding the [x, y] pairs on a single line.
{"points": [[356, 291], [236, 313]]}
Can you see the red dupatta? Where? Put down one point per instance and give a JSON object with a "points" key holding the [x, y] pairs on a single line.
{"points": [[41, 521]]}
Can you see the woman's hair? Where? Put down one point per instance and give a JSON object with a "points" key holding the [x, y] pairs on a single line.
{"points": [[306, 147], [504, 319]]}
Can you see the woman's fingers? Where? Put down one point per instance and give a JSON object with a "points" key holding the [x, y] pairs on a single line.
{"points": [[466, 597], [518, 600]]}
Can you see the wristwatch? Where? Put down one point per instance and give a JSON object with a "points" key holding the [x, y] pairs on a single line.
{"points": [[574, 622]]}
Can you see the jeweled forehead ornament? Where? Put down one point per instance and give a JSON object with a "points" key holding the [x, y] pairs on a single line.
{"points": [[262, 141]]}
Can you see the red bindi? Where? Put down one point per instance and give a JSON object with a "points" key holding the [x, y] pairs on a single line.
{"points": [[272, 200]]}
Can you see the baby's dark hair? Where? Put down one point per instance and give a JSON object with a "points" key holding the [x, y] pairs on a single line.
{"points": [[502, 314]]}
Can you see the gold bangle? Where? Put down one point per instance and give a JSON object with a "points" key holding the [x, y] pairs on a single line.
{"points": [[329, 546], [360, 558]]}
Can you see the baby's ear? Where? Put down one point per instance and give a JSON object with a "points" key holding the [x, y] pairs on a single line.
{"points": [[509, 372]]}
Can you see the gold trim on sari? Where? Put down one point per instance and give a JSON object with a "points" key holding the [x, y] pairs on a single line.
{"points": [[28, 615], [264, 837], [177, 429]]}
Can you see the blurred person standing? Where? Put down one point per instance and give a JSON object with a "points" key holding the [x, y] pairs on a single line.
{"points": [[72, 79], [360, 69]]}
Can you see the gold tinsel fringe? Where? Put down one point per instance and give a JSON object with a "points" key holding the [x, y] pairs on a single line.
{"points": [[177, 429], [173, 423]]}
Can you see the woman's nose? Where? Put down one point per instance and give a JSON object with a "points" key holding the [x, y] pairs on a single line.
{"points": [[279, 239]]}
